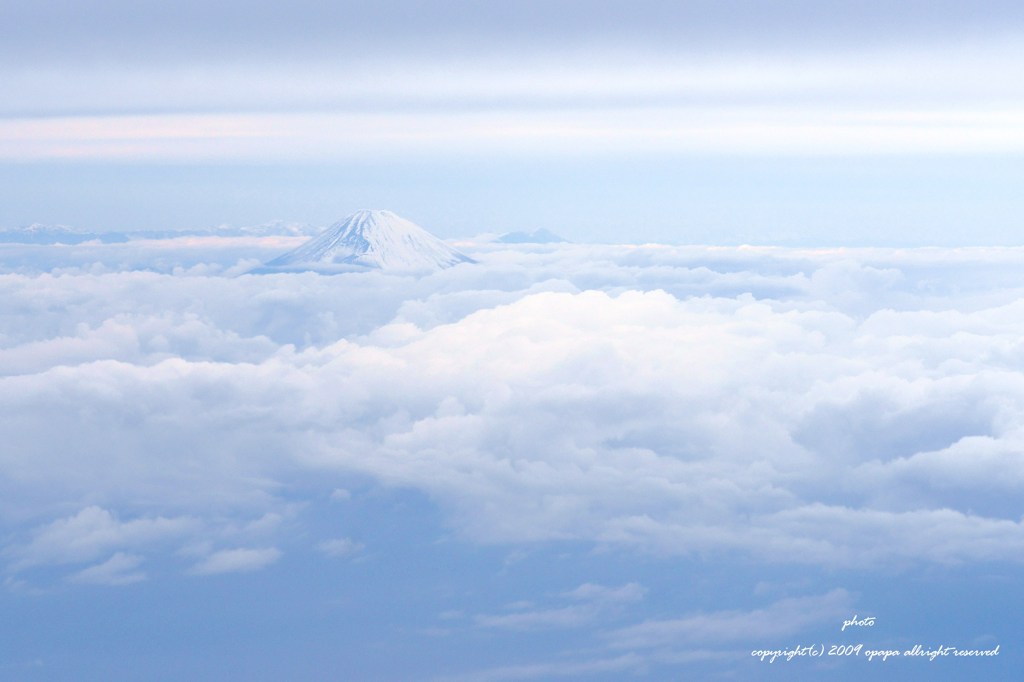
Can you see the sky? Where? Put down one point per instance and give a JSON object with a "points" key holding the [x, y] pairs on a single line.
{"points": [[774, 383], [797, 123]]}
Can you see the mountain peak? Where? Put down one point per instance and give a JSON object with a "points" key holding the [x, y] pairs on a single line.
{"points": [[372, 215], [372, 239]]}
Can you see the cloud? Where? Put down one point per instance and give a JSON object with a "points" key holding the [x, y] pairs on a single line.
{"points": [[340, 547], [592, 602], [694, 638], [239, 560], [64, 31], [90, 533], [340, 495], [610, 92], [572, 130], [782, 619], [565, 617], [117, 570], [600, 593], [833, 407]]}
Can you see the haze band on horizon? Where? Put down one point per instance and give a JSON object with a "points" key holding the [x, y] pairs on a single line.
{"points": [[787, 122]]}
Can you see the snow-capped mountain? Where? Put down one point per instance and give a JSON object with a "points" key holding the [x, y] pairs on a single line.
{"points": [[372, 239]]}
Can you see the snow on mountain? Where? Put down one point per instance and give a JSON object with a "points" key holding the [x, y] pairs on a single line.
{"points": [[371, 239]]}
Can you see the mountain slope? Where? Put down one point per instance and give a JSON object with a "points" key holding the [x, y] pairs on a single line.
{"points": [[373, 239]]}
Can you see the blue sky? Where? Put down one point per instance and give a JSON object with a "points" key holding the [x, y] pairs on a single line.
{"points": [[706, 122], [775, 382]]}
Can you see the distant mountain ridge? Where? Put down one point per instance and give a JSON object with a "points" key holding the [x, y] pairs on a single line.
{"points": [[538, 236], [372, 239], [38, 233]]}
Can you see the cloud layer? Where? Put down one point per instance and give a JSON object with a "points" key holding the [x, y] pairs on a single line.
{"points": [[829, 407]]}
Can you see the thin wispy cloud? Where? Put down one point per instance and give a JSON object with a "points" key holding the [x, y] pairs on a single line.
{"points": [[240, 560], [118, 570], [658, 131], [701, 81]]}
